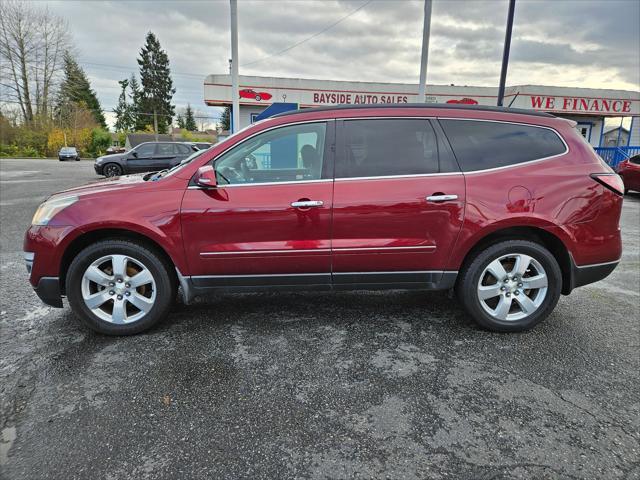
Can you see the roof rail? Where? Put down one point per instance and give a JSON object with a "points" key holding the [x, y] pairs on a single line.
{"points": [[481, 108]]}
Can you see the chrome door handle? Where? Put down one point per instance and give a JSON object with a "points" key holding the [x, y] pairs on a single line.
{"points": [[307, 204], [441, 198]]}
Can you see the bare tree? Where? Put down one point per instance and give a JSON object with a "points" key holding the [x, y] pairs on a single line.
{"points": [[32, 43]]}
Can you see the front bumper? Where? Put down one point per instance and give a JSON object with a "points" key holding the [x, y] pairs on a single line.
{"points": [[97, 168]]}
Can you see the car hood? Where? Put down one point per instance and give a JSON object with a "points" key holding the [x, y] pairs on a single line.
{"points": [[104, 186]]}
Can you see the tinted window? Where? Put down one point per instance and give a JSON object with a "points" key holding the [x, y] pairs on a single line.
{"points": [[635, 159], [291, 153], [166, 149], [480, 145], [376, 148], [145, 150]]}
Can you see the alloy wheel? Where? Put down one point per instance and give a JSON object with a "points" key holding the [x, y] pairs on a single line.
{"points": [[118, 289], [111, 171], [512, 287]]}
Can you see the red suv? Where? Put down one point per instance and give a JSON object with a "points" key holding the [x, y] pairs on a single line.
{"points": [[510, 208]]}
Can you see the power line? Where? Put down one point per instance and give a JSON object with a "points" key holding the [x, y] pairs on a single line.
{"points": [[308, 38]]}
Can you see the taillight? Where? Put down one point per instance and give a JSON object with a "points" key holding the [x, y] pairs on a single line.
{"points": [[610, 180]]}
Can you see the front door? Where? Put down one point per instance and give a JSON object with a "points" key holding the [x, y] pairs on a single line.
{"points": [[269, 220], [398, 207], [141, 158]]}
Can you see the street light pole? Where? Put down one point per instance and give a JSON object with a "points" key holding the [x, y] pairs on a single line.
{"points": [[426, 30], [505, 53], [235, 108]]}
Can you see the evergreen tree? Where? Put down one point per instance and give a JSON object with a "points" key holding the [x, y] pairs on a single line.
{"points": [[189, 119], [125, 121], [139, 121], [157, 86], [225, 119], [180, 120], [76, 93]]}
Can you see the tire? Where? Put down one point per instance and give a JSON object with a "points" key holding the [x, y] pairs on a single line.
{"points": [[156, 296], [77, 159], [112, 170], [258, 98], [512, 295]]}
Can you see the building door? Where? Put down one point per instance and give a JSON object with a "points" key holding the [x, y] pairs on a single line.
{"points": [[264, 224], [396, 213]]}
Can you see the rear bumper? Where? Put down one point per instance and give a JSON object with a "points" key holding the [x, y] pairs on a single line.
{"points": [[586, 274], [48, 289]]}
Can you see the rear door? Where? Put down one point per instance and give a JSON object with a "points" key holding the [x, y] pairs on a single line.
{"points": [[166, 156], [398, 203]]}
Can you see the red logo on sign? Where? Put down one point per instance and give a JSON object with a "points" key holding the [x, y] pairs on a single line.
{"points": [[465, 101], [253, 95]]}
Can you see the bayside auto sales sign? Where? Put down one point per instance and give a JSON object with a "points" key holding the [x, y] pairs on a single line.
{"points": [[258, 91]]}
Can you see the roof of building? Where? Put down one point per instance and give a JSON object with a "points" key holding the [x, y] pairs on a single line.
{"points": [[438, 106]]}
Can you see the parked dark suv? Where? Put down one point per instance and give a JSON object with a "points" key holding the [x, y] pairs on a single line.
{"points": [[145, 157], [509, 208]]}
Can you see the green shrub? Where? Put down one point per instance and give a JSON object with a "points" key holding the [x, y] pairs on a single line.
{"points": [[100, 141]]}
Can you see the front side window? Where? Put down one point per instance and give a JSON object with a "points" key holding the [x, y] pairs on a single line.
{"points": [[287, 154], [479, 145], [388, 147], [145, 150]]}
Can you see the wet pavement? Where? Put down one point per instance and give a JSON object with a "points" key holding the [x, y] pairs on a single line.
{"points": [[314, 385]]}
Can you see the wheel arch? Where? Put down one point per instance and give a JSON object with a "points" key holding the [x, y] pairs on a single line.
{"points": [[534, 234], [88, 238]]}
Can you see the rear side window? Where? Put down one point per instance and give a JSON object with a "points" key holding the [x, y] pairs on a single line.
{"points": [[183, 149], [480, 145], [375, 148]]}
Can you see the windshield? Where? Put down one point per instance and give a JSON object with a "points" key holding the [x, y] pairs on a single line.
{"points": [[69, 149]]}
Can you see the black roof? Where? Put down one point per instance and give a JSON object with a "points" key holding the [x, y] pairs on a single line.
{"points": [[445, 106]]}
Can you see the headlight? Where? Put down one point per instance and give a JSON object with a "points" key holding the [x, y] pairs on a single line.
{"points": [[47, 210]]}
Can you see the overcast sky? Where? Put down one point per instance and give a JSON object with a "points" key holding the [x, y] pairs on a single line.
{"points": [[585, 43]]}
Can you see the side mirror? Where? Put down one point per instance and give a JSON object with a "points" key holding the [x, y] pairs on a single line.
{"points": [[134, 154], [206, 177]]}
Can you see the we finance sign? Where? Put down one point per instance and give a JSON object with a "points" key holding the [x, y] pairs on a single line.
{"points": [[606, 106]]}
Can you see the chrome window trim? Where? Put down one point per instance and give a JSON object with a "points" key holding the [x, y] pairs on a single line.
{"points": [[470, 172], [261, 184], [383, 177]]}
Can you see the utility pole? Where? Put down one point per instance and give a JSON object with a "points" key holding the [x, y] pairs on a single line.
{"points": [[235, 94], [155, 124], [505, 53], [426, 30]]}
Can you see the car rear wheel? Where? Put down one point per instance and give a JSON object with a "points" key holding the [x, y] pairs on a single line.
{"points": [[258, 98], [118, 287], [510, 286], [112, 170]]}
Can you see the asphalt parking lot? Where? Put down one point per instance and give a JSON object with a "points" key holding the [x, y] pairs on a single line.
{"points": [[314, 385]]}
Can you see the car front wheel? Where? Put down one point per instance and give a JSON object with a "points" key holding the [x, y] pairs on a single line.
{"points": [[118, 287], [112, 170], [510, 286]]}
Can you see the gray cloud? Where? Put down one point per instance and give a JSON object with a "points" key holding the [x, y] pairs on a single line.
{"points": [[561, 42]]}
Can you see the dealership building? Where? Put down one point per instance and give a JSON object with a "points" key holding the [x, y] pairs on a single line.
{"points": [[586, 106]]}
